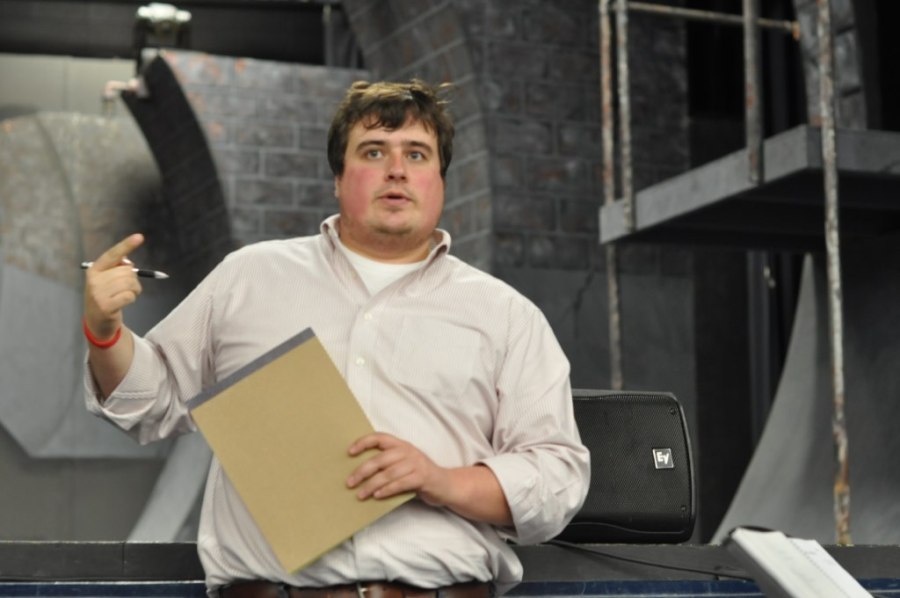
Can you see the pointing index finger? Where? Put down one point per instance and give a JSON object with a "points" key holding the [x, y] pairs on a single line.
{"points": [[117, 253]]}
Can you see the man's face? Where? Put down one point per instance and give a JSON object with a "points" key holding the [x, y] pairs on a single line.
{"points": [[391, 192]]}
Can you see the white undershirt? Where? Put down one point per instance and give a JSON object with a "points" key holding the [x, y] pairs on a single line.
{"points": [[377, 275]]}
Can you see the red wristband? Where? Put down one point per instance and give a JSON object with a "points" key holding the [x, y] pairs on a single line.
{"points": [[96, 341]]}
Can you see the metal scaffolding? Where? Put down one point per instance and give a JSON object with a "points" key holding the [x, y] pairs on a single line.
{"points": [[756, 171]]}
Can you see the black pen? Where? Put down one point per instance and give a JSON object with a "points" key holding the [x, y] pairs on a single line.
{"points": [[142, 273]]}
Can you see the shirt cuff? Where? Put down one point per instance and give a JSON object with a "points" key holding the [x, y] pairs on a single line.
{"points": [[521, 483], [133, 386]]}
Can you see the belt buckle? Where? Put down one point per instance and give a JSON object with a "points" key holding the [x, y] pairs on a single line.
{"points": [[361, 590]]}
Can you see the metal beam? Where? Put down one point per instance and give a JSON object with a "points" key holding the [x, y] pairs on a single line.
{"points": [[790, 27]]}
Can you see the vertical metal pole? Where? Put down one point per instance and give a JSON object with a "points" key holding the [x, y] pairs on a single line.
{"points": [[606, 100], [835, 294], [753, 92], [624, 110], [609, 193]]}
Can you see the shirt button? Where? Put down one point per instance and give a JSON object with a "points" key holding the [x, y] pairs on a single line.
{"points": [[367, 316], [360, 361]]}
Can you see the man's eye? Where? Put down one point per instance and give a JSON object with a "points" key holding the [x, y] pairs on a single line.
{"points": [[373, 153], [417, 155]]}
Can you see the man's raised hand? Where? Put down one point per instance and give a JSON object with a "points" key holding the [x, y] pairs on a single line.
{"points": [[110, 285]]}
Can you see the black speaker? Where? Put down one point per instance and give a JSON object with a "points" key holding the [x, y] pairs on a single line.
{"points": [[642, 484]]}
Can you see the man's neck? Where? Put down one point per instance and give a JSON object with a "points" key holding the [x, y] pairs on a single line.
{"points": [[392, 251]]}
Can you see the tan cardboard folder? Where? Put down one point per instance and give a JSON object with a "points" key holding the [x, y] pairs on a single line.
{"points": [[281, 427]]}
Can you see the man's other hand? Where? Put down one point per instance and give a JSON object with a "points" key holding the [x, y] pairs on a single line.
{"points": [[472, 491]]}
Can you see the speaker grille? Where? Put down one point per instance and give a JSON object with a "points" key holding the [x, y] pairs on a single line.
{"points": [[635, 494]]}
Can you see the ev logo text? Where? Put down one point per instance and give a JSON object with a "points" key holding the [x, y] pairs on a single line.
{"points": [[662, 458]]}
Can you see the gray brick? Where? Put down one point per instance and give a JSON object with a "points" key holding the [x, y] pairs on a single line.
{"points": [[484, 212], [237, 161], [264, 75], [457, 219], [458, 60], [442, 27], [522, 212], [556, 24], [387, 54], [216, 131], [502, 22], [470, 140], [477, 251], [405, 11], [265, 192], [509, 249], [661, 144], [522, 135], [577, 216], [847, 61], [508, 171], [471, 14], [370, 21], [515, 59], [554, 174], [851, 110], [246, 221], [288, 107], [318, 195], [436, 69], [573, 65], [503, 95], [291, 223], [580, 139], [327, 83], [313, 138], [568, 253], [473, 176], [200, 69], [842, 15], [566, 102], [291, 164], [266, 135], [222, 102], [478, 53]]}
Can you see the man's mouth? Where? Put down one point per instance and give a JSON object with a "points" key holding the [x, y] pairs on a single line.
{"points": [[394, 196]]}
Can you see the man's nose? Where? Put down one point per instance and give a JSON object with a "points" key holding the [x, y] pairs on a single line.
{"points": [[396, 167]]}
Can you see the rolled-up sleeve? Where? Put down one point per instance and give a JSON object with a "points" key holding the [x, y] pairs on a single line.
{"points": [[540, 462]]}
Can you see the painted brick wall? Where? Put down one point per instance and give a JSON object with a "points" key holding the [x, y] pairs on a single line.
{"points": [[267, 124]]}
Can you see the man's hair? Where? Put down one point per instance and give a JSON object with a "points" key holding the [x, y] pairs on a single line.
{"points": [[391, 105]]}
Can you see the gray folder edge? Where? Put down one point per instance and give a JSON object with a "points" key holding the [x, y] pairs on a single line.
{"points": [[257, 364]]}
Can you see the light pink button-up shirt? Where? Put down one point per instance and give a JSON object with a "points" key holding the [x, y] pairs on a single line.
{"points": [[447, 358]]}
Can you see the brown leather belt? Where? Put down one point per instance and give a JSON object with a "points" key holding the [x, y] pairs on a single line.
{"points": [[363, 589]]}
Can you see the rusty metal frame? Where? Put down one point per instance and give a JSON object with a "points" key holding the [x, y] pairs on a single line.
{"points": [[833, 260], [753, 100], [756, 171], [609, 191], [689, 14]]}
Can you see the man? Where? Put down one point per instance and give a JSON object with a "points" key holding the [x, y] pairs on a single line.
{"points": [[460, 374]]}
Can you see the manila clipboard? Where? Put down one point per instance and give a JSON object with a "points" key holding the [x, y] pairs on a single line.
{"points": [[280, 427]]}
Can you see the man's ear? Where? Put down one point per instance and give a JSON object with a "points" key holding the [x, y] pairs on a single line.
{"points": [[337, 187]]}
